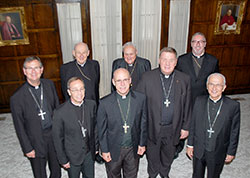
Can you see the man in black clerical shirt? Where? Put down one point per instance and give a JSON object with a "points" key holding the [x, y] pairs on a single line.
{"points": [[74, 131], [198, 65], [83, 67], [32, 108], [168, 93], [122, 127], [134, 64], [214, 130]]}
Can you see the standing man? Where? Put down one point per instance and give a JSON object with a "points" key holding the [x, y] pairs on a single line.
{"points": [[32, 107], [168, 93], [133, 63], [84, 68], [122, 127], [198, 65], [214, 130], [74, 131]]}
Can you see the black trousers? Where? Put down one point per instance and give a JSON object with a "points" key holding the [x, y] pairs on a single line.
{"points": [[86, 168], [126, 163], [208, 160], [38, 164], [160, 155]]}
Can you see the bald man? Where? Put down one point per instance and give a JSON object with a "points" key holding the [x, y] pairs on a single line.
{"points": [[83, 67], [122, 127]]}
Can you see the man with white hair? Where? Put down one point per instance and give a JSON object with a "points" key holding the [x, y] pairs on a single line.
{"points": [[133, 63], [214, 130], [87, 69]]}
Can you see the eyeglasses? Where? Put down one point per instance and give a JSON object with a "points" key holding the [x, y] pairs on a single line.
{"points": [[122, 81], [77, 90], [215, 85], [196, 42], [32, 68]]}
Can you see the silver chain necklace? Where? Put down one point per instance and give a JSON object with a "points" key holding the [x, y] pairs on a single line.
{"points": [[125, 126], [41, 112], [210, 130], [167, 102]]}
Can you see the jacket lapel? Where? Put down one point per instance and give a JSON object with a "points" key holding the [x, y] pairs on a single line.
{"points": [[221, 117], [204, 67], [116, 109], [133, 107], [87, 116], [190, 66]]}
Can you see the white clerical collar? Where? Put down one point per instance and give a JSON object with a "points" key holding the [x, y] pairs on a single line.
{"points": [[123, 96], [36, 86], [166, 76], [215, 101], [130, 65], [81, 64], [75, 104], [199, 55]]}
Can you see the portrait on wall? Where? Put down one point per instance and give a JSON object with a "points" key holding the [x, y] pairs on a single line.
{"points": [[229, 16], [13, 30]]}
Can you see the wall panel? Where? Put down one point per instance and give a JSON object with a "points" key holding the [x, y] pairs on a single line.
{"points": [[42, 28]]}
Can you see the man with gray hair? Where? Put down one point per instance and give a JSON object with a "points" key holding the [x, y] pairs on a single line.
{"points": [[32, 108], [133, 63], [168, 93], [198, 65], [88, 70], [214, 130]]}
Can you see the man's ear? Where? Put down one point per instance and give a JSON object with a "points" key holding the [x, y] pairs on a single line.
{"points": [[113, 81], [69, 92]]}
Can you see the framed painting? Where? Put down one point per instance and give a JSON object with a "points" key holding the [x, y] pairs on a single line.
{"points": [[13, 30], [229, 16]]}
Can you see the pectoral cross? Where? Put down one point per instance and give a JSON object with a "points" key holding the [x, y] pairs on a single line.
{"points": [[125, 127], [167, 103], [42, 114], [210, 131], [83, 131]]}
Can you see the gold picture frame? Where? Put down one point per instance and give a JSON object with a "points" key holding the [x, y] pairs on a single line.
{"points": [[13, 30], [229, 16]]}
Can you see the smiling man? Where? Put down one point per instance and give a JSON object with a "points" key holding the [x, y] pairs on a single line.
{"points": [[74, 131], [198, 65], [83, 67], [214, 130], [134, 64], [122, 127], [168, 93], [32, 108]]}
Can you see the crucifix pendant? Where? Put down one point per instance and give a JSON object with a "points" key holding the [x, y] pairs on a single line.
{"points": [[210, 131], [83, 131], [167, 103], [42, 114], [125, 127]]}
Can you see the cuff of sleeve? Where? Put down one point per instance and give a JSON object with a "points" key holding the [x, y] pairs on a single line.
{"points": [[189, 146]]}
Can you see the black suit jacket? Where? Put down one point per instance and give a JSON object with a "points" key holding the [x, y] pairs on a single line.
{"points": [[151, 86], [25, 116], [109, 122], [91, 69], [198, 84], [67, 134], [227, 132], [142, 65]]}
